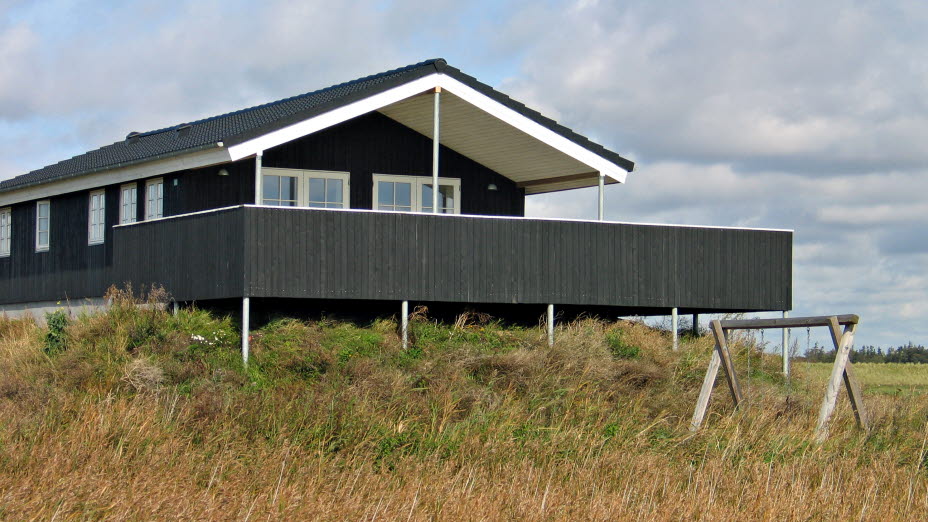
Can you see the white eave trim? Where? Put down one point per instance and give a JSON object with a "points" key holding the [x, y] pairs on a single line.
{"points": [[115, 176], [402, 92], [333, 117]]}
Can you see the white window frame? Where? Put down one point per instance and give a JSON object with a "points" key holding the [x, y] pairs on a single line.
{"points": [[345, 178], [131, 206], [158, 204], [6, 231], [39, 246], [417, 183], [96, 218], [302, 184], [287, 173]]}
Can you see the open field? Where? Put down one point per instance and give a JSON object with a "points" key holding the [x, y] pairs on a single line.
{"points": [[882, 378], [142, 415]]}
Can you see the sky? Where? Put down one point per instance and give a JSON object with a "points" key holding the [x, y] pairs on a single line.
{"points": [[792, 114]]}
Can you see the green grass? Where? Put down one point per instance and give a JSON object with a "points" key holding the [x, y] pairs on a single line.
{"points": [[875, 378]]}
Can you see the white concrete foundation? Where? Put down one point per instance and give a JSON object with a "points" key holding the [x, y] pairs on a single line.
{"points": [[37, 310]]}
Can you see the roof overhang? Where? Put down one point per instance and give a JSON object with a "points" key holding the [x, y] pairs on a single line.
{"points": [[473, 124]]}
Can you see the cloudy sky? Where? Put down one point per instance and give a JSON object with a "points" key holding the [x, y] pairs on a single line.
{"points": [[801, 115]]}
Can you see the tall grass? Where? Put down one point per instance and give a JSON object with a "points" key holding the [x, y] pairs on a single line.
{"points": [[145, 415]]}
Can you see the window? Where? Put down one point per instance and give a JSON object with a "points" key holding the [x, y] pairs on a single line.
{"points": [[154, 198], [128, 208], [414, 194], [96, 220], [280, 190], [6, 230], [42, 225], [304, 188]]}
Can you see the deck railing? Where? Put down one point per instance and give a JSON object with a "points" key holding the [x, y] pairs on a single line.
{"points": [[303, 253]]}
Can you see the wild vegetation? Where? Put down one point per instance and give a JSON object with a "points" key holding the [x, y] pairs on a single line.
{"points": [[137, 413]]}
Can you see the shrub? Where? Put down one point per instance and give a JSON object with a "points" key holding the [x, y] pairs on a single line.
{"points": [[619, 348], [56, 338]]}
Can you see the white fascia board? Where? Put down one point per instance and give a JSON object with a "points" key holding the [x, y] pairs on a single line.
{"points": [[533, 129], [116, 175], [333, 117], [397, 94]]}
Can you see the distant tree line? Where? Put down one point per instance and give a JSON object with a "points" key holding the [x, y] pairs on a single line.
{"points": [[909, 353]]}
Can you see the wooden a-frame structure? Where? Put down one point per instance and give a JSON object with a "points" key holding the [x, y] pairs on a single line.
{"points": [[721, 356]]}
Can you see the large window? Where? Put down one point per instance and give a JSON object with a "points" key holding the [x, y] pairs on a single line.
{"points": [[154, 198], [128, 206], [6, 231], [42, 225], [304, 188], [96, 221], [414, 194]]}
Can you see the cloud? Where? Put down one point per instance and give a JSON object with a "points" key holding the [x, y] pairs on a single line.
{"points": [[818, 89]]}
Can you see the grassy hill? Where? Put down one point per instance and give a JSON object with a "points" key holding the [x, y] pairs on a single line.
{"points": [[135, 413]]}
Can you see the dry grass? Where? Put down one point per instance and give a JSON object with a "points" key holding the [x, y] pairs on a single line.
{"points": [[149, 416]]}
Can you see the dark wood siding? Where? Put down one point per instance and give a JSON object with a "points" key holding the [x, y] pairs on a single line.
{"points": [[374, 143], [361, 255], [193, 257], [70, 269], [204, 189]]}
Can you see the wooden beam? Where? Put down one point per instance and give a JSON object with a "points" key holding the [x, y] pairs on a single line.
{"points": [[842, 354], [561, 179], [721, 345], [788, 322], [702, 404], [856, 395]]}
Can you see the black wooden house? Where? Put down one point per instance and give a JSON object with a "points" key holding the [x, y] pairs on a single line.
{"points": [[327, 197]]}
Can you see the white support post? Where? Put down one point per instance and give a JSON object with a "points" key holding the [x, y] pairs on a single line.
{"points": [[785, 347], [550, 325], [602, 195], [404, 323], [675, 325], [246, 312], [259, 197], [436, 120], [174, 307]]}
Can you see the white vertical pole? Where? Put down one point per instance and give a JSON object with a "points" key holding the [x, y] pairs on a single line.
{"points": [[550, 325], [602, 196], [259, 198], [246, 311], [674, 324], [174, 307], [785, 347], [404, 311], [435, 143]]}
